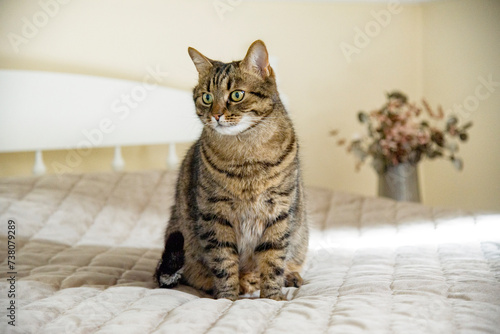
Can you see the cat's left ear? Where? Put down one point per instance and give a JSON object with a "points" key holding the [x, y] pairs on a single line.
{"points": [[257, 59], [202, 63]]}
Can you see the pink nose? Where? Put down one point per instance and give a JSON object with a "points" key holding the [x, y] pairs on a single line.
{"points": [[217, 116]]}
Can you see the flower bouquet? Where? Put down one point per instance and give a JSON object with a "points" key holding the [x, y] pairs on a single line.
{"points": [[403, 133]]}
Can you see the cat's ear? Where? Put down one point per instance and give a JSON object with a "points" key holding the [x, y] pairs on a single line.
{"points": [[257, 59], [202, 63]]}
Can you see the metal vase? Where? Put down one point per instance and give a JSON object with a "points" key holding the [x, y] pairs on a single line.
{"points": [[400, 183]]}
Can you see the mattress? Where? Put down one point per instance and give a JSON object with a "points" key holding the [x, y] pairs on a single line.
{"points": [[79, 251]]}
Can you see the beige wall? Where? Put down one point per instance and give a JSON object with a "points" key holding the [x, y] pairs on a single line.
{"points": [[325, 88], [461, 50]]}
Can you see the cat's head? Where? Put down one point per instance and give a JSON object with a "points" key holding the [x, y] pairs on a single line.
{"points": [[231, 98]]}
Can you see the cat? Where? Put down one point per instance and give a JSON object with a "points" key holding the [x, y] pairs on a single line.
{"points": [[238, 224]]}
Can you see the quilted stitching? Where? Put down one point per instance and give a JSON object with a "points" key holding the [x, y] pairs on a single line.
{"points": [[87, 246]]}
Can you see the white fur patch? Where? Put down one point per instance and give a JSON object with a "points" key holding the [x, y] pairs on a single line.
{"points": [[169, 280], [249, 236], [228, 128]]}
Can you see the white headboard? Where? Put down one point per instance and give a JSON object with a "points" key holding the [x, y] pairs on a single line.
{"points": [[51, 111]]}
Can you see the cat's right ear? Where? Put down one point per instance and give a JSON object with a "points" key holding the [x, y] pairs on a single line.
{"points": [[202, 63], [257, 59]]}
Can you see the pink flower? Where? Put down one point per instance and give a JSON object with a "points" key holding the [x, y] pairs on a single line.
{"points": [[397, 133]]}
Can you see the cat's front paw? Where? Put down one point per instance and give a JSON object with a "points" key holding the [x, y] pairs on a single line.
{"points": [[227, 295], [249, 283], [293, 279], [274, 295]]}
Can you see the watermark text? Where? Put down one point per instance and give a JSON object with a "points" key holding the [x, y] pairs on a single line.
{"points": [[11, 272]]}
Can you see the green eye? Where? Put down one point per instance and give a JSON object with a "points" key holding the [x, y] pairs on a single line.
{"points": [[237, 95], [207, 98]]}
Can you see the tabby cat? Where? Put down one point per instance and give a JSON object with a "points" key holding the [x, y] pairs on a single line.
{"points": [[238, 224]]}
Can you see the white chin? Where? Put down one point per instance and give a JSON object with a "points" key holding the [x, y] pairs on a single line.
{"points": [[231, 130]]}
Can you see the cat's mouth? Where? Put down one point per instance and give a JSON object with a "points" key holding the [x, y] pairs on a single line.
{"points": [[233, 128]]}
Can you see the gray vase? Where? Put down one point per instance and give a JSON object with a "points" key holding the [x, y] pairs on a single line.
{"points": [[400, 182]]}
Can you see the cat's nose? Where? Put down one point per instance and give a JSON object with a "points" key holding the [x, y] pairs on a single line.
{"points": [[217, 111]]}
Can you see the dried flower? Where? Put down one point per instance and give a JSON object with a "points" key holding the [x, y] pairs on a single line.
{"points": [[362, 117], [398, 134]]}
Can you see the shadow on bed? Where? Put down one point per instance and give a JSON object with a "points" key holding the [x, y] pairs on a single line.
{"points": [[63, 266]]}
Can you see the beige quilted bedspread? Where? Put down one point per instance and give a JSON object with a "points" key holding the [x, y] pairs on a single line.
{"points": [[86, 246]]}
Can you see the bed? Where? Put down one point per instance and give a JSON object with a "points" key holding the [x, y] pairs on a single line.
{"points": [[79, 250]]}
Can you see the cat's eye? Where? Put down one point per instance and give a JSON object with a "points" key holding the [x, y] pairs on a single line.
{"points": [[207, 98], [237, 95]]}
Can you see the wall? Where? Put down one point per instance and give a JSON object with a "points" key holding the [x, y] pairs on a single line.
{"points": [[383, 50], [461, 51]]}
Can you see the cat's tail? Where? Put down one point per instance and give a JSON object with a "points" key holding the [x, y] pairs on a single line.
{"points": [[169, 269]]}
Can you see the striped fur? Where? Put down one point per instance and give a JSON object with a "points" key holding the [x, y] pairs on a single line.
{"points": [[238, 223]]}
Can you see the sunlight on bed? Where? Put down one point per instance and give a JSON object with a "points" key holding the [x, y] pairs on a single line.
{"points": [[456, 230]]}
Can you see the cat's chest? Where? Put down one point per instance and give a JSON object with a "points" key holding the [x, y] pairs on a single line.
{"points": [[249, 218], [248, 236], [249, 227]]}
